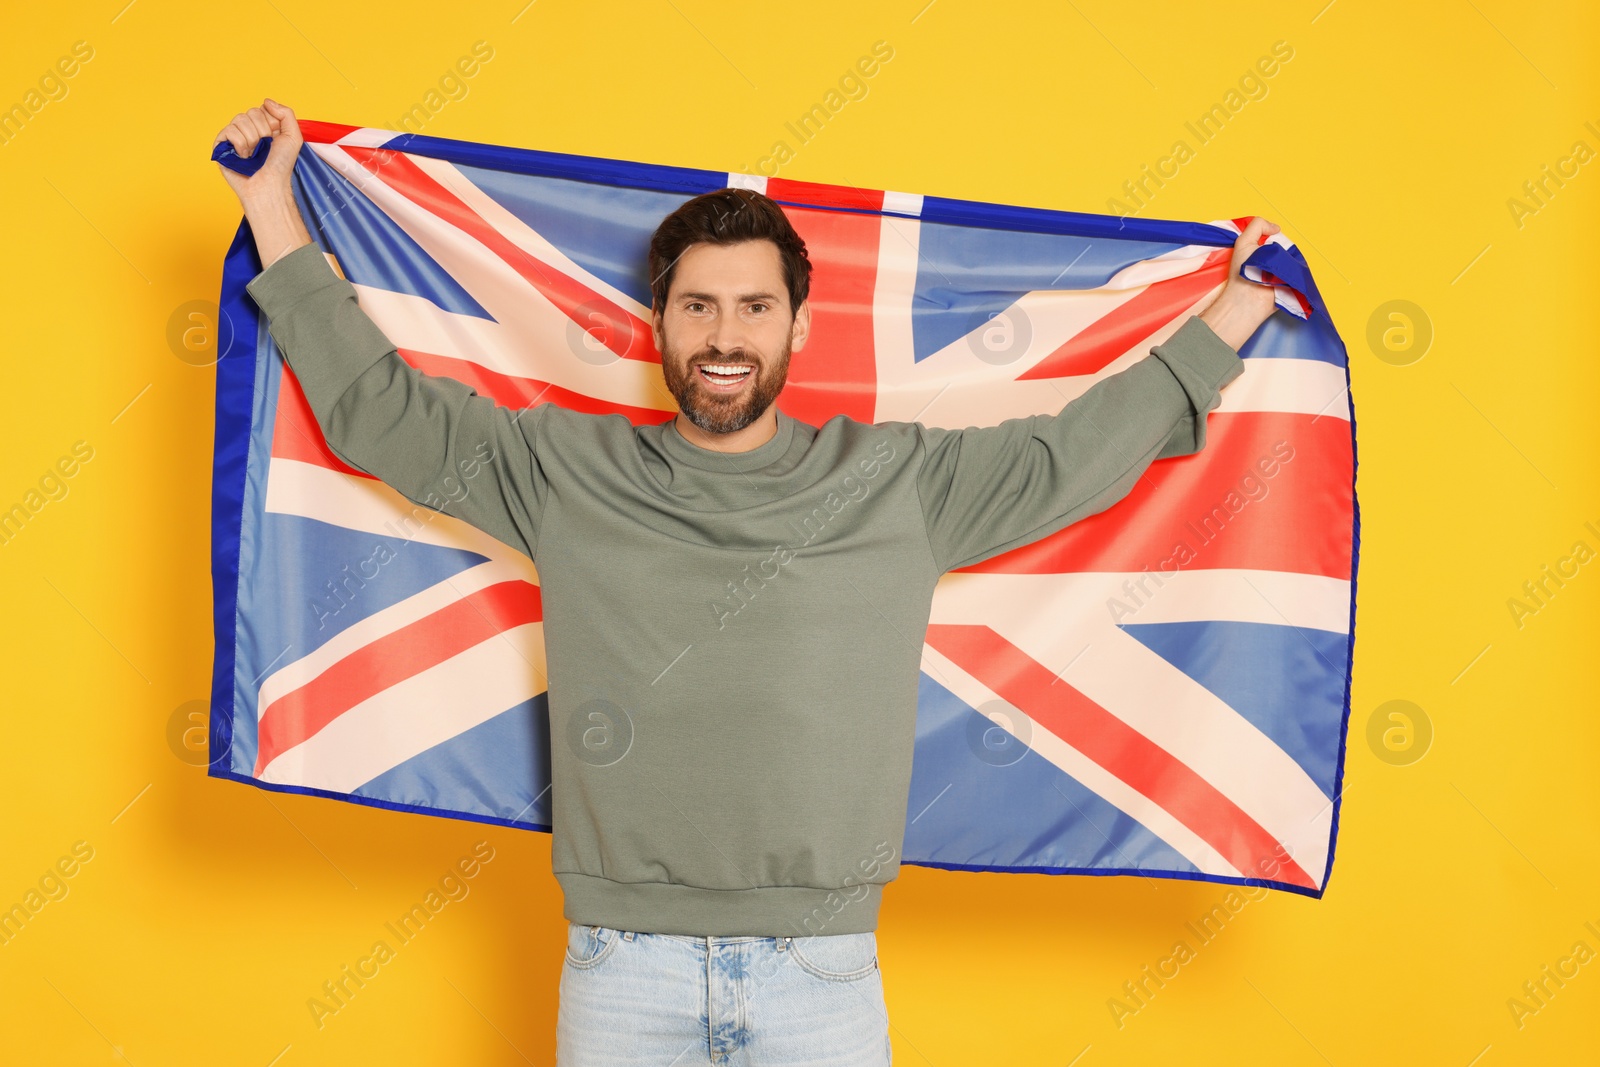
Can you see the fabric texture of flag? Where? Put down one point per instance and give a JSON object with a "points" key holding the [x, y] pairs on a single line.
{"points": [[375, 651]]}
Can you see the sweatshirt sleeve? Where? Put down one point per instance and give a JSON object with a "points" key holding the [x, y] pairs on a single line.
{"points": [[986, 490], [433, 439]]}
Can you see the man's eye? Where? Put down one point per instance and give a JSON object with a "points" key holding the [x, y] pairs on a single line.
{"points": [[758, 307], [696, 305]]}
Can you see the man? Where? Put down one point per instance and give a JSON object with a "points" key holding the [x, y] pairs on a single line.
{"points": [[735, 604]]}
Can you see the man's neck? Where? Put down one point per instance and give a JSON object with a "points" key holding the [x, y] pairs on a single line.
{"points": [[751, 437]]}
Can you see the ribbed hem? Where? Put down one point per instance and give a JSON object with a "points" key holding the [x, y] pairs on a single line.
{"points": [[765, 911], [1197, 345]]}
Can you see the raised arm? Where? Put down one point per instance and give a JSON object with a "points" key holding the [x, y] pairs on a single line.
{"points": [[987, 490], [434, 440]]}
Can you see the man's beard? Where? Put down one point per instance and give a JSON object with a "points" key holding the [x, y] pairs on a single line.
{"points": [[724, 412]]}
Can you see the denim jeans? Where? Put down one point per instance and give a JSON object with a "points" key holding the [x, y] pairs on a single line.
{"points": [[635, 998]]}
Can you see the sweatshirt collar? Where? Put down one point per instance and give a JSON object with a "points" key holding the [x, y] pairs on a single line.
{"points": [[683, 450]]}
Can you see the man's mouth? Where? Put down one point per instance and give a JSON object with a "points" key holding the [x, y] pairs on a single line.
{"points": [[724, 377]]}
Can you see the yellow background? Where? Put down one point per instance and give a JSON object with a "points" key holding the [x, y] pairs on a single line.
{"points": [[1388, 148]]}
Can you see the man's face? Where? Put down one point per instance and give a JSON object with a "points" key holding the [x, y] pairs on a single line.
{"points": [[726, 333]]}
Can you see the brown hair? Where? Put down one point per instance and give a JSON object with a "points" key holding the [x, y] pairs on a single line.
{"points": [[726, 217]]}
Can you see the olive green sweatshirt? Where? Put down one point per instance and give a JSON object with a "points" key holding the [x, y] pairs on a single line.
{"points": [[733, 639]]}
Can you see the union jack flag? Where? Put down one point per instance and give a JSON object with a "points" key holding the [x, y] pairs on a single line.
{"points": [[1162, 688]]}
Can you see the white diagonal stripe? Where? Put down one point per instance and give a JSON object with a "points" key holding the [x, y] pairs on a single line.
{"points": [[358, 635], [1091, 775], [295, 487], [1149, 694], [414, 715]]}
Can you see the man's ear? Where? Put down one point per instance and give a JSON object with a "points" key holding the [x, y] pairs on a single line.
{"points": [[655, 328], [801, 328]]}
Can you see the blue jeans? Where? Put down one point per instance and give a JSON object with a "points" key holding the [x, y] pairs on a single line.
{"points": [[633, 998]]}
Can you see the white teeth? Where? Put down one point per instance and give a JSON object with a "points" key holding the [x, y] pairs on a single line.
{"points": [[719, 368]]}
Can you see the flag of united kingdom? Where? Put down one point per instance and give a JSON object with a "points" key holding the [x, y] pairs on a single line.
{"points": [[378, 651]]}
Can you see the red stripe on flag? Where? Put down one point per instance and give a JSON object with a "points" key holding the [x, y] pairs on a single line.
{"points": [[837, 372], [1123, 751], [1219, 508], [623, 333], [817, 194], [298, 715], [1115, 333], [295, 433], [316, 132]]}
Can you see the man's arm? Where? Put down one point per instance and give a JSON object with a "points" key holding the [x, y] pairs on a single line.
{"points": [[986, 490], [434, 440]]}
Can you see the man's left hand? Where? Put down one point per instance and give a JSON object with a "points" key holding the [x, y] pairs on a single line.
{"points": [[1243, 305]]}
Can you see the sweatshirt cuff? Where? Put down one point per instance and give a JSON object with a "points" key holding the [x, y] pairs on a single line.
{"points": [[292, 277], [1202, 362]]}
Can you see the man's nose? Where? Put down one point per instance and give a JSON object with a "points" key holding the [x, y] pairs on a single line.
{"points": [[727, 334]]}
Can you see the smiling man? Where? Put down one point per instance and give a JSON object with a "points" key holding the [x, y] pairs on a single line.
{"points": [[726, 331], [734, 606]]}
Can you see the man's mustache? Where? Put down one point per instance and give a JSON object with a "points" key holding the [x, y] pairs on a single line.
{"points": [[723, 357]]}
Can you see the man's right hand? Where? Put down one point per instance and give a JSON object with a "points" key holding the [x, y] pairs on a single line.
{"points": [[266, 195], [246, 130]]}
